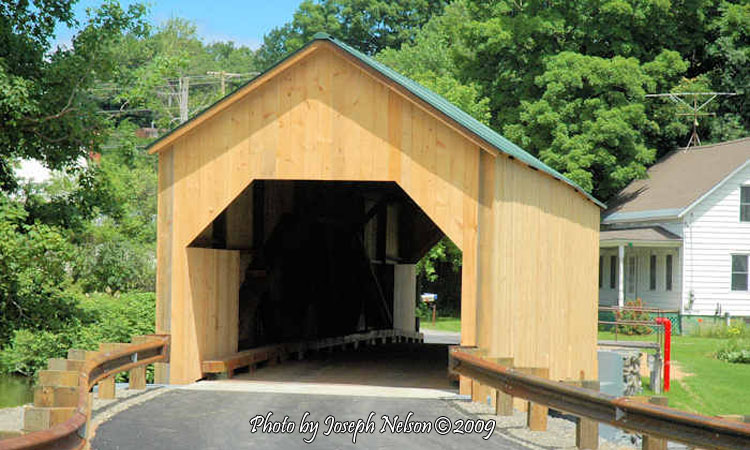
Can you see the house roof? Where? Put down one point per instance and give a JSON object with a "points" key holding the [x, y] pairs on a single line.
{"points": [[466, 122], [654, 234], [678, 181]]}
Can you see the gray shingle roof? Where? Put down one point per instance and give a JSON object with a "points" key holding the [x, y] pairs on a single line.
{"points": [[641, 234], [678, 180]]}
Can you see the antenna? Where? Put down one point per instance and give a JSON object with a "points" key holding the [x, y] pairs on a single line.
{"points": [[683, 99]]}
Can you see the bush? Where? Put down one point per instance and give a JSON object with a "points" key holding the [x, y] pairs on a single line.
{"points": [[29, 350], [103, 318], [634, 316], [717, 328], [111, 262], [34, 262], [735, 351]]}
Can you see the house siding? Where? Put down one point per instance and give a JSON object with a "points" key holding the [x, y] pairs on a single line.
{"points": [[657, 298], [713, 232]]}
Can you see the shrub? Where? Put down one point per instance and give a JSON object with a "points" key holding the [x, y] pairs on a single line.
{"points": [[34, 261], [634, 316], [103, 318], [29, 350], [112, 262], [735, 351], [717, 328]]}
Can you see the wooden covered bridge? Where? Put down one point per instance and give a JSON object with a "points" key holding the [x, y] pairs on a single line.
{"points": [[296, 207]]}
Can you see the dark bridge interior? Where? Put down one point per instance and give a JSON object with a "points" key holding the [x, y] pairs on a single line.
{"points": [[322, 259]]}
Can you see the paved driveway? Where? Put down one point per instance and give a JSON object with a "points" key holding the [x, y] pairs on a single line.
{"points": [[208, 419]]}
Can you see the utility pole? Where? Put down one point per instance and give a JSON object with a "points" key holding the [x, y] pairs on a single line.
{"points": [[693, 108], [223, 76], [184, 85]]}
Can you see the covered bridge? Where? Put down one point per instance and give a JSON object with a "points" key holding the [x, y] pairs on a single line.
{"points": [[297, 206]]}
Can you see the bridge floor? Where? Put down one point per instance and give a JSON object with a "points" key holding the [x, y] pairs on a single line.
{"points": [[390, 381], [190, 419], [395, 365]]}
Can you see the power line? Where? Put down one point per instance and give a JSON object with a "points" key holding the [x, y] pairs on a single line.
{"points": [[223, 76], [179, 90]]}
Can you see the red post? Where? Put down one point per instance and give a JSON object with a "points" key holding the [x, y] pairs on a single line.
{"points": [[667, 348]]}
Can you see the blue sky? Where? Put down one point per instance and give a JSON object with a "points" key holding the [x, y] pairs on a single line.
{"points": [[244, 22]]}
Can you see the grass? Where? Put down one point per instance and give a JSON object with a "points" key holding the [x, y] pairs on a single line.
{"points": [[710, 386], [442, 324]]}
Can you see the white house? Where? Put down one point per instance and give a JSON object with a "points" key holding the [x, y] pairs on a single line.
{"points": [[680, 238]]}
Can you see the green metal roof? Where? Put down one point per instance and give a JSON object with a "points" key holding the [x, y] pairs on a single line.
{"points": [[487, 134]]}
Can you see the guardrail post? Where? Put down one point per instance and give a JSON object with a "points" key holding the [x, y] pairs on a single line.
{"points": [[536, 415], [137, 375], [651, 442], [107, 385], [479, 393], [503, 401], [587, 430]]}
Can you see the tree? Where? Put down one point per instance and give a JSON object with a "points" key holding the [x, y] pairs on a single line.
{"points": [[430, 61], [153, 67], [368, 25], [591, 121], [33, 273], [45, 110], [729, 52]]}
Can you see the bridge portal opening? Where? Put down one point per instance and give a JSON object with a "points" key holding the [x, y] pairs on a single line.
{"points": [[322, 259]]}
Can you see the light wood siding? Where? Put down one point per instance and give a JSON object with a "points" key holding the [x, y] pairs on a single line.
{"points": [[324, 117], [543, 304], [208, 320], [321, 119], [713, 232]]}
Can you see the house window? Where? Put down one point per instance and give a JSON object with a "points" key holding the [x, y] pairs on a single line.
{"points": [[739, 272], [612, 272], [652, 273], [669, 273], [601, 268], [744, 203]]}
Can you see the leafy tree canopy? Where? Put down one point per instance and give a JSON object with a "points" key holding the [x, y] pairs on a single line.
{"points": [[45, 110], [567, 80], [368, 25]]}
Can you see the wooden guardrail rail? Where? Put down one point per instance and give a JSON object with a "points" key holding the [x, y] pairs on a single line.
{"points": [[278, 352], [74, 378], [652, 420]]}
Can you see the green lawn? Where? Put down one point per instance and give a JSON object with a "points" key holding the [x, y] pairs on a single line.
{"points": [[710, 386], [442, 324]]}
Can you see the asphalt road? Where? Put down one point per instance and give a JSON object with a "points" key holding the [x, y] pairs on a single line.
{"points": [[195, 419], [337, 389]]}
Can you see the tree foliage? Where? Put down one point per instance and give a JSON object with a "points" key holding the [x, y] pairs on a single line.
{"points": [[368, 25], [567, 79], [592, 121], [153, 65], [45, 110]]}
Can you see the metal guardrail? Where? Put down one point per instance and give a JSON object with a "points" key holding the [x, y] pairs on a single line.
{"points": [[71, 434], [621, 412], [629, 344]]}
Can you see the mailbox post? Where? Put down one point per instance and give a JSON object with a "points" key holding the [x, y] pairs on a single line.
{"points": [[431, 300]]}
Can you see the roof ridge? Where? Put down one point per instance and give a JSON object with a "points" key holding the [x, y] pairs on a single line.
{"points": [[718, 144], [484, 132], [494, 139]]}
